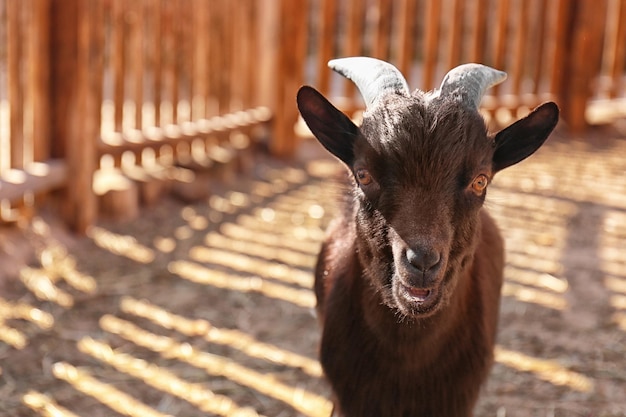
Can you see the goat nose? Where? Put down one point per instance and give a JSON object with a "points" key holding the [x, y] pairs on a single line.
{"points": [[423, 260]]}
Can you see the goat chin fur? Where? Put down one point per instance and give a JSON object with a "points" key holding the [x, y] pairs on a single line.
{"points": [[383, 356]]}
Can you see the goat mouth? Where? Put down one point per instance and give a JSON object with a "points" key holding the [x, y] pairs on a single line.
{"points": [[415, 301], [419, 295]]}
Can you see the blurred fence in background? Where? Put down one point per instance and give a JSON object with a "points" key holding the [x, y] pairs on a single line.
{"points": [[113, 102]]}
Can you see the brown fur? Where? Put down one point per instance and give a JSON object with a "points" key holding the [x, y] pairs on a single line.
{"points": [[386, 351]]}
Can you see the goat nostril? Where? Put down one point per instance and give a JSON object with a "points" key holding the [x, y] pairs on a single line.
{"points": [[423, 260]]}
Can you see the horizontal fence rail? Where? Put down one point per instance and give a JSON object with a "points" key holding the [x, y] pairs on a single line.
{"points": [[113, 101]]}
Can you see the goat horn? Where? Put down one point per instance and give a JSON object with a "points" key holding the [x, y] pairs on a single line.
{"points": [[373, 77], [469, 82]]}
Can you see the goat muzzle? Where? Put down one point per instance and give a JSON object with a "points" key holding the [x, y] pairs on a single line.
{"points": [[420, 268]]}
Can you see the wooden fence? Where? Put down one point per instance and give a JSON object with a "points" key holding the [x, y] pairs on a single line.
{"points": [[571, 51], [109, 101], [114, 100]]}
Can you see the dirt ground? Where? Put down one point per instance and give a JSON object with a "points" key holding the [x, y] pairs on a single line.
{"points": [[205, 309]]}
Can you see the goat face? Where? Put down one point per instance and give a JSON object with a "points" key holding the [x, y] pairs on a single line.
{"points": [[421, 174], [420, 170]]}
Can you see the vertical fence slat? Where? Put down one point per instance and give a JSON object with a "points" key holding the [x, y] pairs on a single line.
{"points": [[562, 21], [118, 61], [137, 60], [165, 50], [619, 51], [157, 59], [5, 138], [586, 27], [520, 58], [268, 47], [15, 83], [382, 37], [225, 97], [248, 61], [173, 64], [216, 60], [500, 38], [540, 16], [455, 33], [406, 34], [355, 16], [39, 58], [479, 33], [281, 141], [289, 75], [184, 59], [96, 53], [198, 101], [239, 51], [212, 59], [74, 107], [28, 83], [431, 43], [325, 41]]}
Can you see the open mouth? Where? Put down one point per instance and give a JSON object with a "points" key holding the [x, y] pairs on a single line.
{"points": [[413, 301], [419, 295]]}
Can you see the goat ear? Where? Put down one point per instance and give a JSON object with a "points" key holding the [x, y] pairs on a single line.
{"points": [[333, 129], [521, 139]]}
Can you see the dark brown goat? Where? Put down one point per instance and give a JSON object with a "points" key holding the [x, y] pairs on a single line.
{"points": [[408, 280]]}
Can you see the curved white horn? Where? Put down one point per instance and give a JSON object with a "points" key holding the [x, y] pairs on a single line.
{"points": [[469, 82], [373, 77]]}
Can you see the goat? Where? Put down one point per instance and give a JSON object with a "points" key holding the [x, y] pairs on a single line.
{"points": [[408, 279]]}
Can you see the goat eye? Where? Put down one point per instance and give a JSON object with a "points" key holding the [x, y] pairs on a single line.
{"points": [[363, 176], [480, 183]]}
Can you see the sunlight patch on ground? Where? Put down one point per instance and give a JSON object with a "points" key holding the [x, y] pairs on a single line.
{"points": [[304, 241], [44, 288], [12, 337], [202, 275], [45, 406], [533, 272], [230, 337], [618, 302], [300, 399], [193, 219], [620, 319], [239, 262], [305, 402], [546, 370], [121, 245], [231, 203], [530, 295], [107, 394], [162, 379], [613, 242], [21, 311], [285, 255], [56, 261], [164, 244], [284, 228], [544, 281], [616, 284], [56, 265]]}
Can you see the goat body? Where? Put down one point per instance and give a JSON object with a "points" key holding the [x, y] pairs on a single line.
{"points": [[381, 365], [408, 280]]}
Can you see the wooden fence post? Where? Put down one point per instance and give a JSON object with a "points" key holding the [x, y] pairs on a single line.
{"points": [[583, 40], [74, 126], [291, 54]]}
